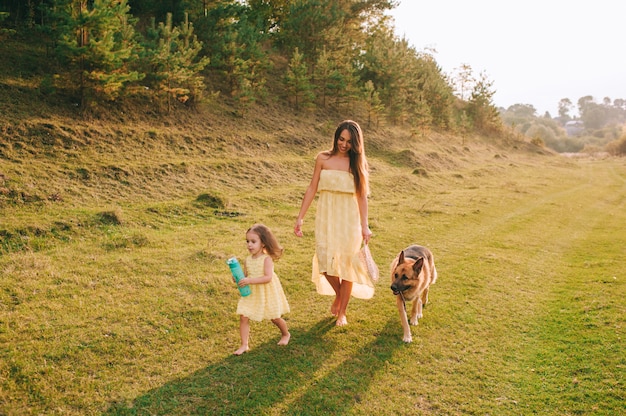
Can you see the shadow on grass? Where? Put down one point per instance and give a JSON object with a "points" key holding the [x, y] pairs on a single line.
{"points": [[270, 375]]}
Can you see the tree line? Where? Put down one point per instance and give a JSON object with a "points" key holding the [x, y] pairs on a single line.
{"points": [[311, 54], [599, 126], [594, 115]]}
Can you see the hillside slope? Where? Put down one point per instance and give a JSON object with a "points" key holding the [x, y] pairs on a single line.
{"points": [[51, 153], [52, 159], [55, 160]]}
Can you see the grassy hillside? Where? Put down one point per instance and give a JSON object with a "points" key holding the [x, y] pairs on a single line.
{"points": [[209, 162], [115, 297]]}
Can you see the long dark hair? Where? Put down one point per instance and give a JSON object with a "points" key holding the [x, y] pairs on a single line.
{"points": [[358, 161]]}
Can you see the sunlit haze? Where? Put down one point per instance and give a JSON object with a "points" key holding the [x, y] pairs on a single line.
{"points": [[535, 52]]}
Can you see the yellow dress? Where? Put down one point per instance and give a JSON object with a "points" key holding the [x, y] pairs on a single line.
{"points": [[266, 300], [338, 235]]}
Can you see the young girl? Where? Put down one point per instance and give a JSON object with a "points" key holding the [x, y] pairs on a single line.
{"points": [[267, 300]]}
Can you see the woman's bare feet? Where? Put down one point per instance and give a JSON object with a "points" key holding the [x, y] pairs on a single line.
{"points": [[284, 340], [341, 320], [241, 350], [334, 308]]}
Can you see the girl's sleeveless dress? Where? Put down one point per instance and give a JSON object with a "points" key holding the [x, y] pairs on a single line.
{"points": [[338, 235], [267, 300]]}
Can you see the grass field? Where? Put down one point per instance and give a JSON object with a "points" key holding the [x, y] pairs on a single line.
{"points": [[115, 297]]}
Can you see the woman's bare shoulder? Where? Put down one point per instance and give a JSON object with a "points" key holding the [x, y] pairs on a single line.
{"points": [[324, 154]]}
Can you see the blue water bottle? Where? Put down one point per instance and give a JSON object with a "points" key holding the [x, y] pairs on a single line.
{"points": [[237, 271]]}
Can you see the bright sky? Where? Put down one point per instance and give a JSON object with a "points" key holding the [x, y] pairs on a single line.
{"points": [[535, 51]]}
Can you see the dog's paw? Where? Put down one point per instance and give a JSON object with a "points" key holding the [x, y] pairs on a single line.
{"points": [[407, 338], [413, 321]]}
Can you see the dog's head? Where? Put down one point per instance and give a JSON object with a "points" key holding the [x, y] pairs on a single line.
{"points": [[406, 274]]}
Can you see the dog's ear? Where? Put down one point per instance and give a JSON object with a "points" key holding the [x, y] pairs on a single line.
{"points": [[401, 257], [417, 266]]}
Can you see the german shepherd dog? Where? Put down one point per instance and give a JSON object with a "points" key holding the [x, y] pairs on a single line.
{"points": [[412, 273]]}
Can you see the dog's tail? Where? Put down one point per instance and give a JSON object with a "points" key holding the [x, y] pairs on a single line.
{"points": [[431, 263]]}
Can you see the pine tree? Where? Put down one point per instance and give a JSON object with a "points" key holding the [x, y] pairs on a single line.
{"points": [[481, 110], [250, 63], [99, 42], [374, 105], [233, 37], [191, 62], [322, 73], [385, 63], [172, 52], [298, 82], [334, 74], [434, 90]]}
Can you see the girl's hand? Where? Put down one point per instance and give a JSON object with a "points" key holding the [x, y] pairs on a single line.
{"points": [[297, 230], [243, 282]]}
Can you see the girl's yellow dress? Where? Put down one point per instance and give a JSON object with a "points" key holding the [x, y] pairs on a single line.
{"points": [[267, 300], [338, 235]]}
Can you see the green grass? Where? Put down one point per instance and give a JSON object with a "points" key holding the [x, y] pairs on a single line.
{"points": [[115, 297]]}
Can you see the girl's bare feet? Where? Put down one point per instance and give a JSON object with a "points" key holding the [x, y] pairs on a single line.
{"points": [[241, 350], [341, 320], [284, 340]]}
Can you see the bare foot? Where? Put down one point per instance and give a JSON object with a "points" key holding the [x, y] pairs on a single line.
{"points": [[284, 340], [241, 350], [334, 308], [341, 321]]}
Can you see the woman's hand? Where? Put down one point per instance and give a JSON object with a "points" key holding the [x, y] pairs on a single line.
{"points": [[243, 282], [297, 230], [367, 234]]}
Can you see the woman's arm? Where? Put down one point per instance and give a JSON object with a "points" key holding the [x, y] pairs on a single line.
{"points": [[309, 194], [363, 213]]}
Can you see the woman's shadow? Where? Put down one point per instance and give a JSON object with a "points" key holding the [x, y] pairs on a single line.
{"points": [[273, 376]]}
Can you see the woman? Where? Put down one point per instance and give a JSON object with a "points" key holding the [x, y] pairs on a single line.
{"points": [[341, 178]]}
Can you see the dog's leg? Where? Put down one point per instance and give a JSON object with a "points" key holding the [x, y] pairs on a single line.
{"points": [[403, 320], [424, 297], [416, 312]]}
